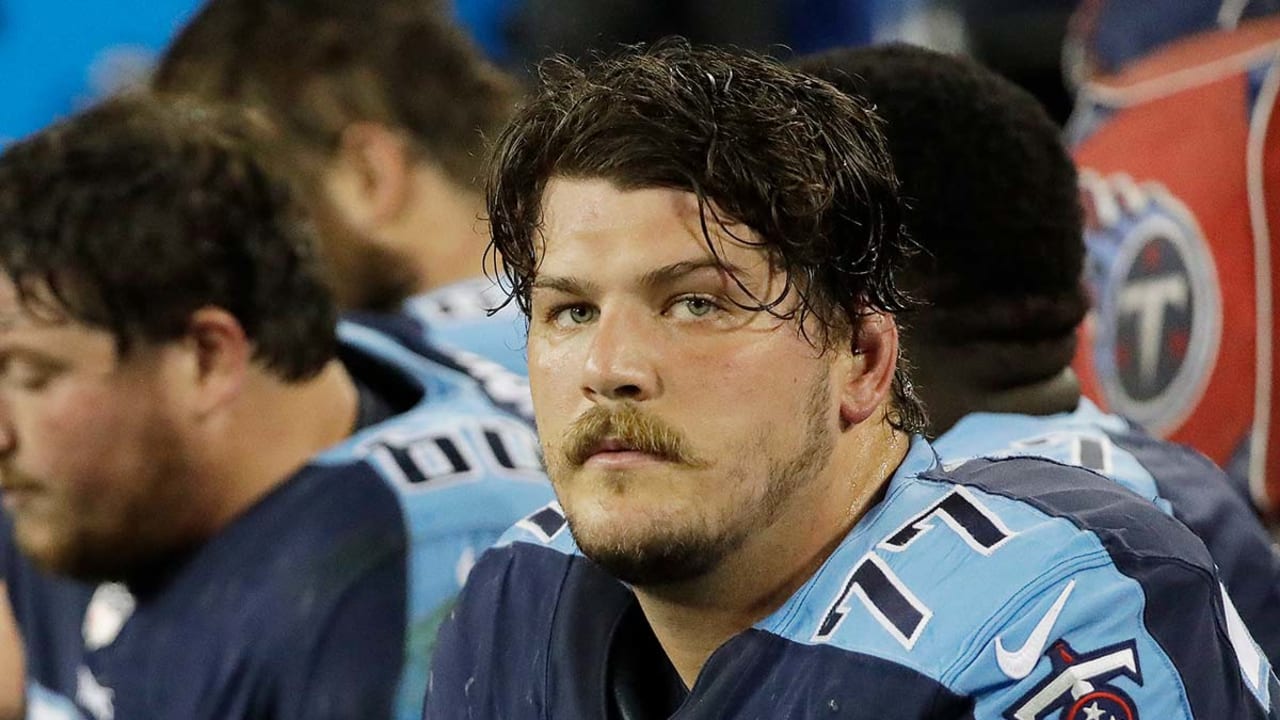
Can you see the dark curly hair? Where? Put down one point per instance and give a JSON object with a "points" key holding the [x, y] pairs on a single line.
{"points": [[316, 66], [991, 197], [798, 162], [136, 213]]}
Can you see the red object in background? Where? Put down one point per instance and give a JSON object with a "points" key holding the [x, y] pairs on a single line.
{"points": [[1180, 167]]}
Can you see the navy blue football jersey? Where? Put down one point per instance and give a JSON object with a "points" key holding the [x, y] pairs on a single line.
{"points": [[1179, 480], [320, 601], [1013, 589]]}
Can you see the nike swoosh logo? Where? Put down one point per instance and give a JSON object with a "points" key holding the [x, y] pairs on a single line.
{"points": [[1019, 664]]}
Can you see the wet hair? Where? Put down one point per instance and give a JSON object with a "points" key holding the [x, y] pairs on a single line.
{"points": [[135, 214], [317, 66], [799, 163], [990, 196]]}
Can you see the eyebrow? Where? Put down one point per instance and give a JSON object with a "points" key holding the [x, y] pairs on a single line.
{"points": [[656, 278], [566, 285], [667, 274]]}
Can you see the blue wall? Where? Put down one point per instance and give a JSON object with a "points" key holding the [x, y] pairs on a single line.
{"points": [[58, 55]]}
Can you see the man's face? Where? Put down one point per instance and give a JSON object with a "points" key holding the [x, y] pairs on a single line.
{"points": [[91, 456], [361, 273], [674, 422]]}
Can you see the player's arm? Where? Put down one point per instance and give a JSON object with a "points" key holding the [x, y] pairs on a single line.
{"points": [[12, 668], [1096, 643]]}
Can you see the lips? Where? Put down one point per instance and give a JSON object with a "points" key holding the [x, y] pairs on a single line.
{"points": [[616, 446], [15, 496], [607, 445], [14, 483], [17, 486]]}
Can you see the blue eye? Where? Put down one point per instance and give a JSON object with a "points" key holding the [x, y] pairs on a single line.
{"points": [[696, 306], [575, 315], [699, 306]]}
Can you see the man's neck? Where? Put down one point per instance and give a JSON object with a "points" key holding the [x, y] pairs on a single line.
{"points": [[1053, 395], [275, 429], [692, 619], [955, 380], [444, 233]]}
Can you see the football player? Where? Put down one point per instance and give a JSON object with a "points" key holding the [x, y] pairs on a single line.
{"points": [[999, 277], [384, 110], [747, 525], [216, 506]]}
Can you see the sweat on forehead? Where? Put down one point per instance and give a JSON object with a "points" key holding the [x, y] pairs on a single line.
{"points": [[583, 221]]}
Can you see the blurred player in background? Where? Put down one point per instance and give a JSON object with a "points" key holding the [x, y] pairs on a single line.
{"points": [[215, 507], [705, 243], [1000, 283], [385, 109], [1175, 134]]}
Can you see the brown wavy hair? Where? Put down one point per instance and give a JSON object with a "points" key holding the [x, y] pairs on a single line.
{"points": [[801, 164]]}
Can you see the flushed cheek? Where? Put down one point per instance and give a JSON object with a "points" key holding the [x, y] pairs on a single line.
{"points": [[76, 448], [750, 366], [62, 449], [554, 356], [556, 392]]}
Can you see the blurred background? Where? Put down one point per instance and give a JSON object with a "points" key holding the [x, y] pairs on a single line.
{"points": [[58, 55]]}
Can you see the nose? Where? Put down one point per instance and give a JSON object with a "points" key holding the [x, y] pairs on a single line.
{"points": [[620, 363]]}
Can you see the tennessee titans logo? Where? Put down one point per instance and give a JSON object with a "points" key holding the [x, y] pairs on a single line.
{"points": [[1079, 686], [1102, 705], [1158, 320]]}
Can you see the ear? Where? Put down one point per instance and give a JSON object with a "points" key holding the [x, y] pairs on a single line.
{"points": [[369, 177], [871, 363], [222, 354]]}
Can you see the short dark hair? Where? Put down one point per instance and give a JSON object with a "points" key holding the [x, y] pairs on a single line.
{"points": [[136, 213], [990, 194], [316, 66], [789, 156]]}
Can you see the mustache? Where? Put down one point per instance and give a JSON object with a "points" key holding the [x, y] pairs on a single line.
{"points": [[629, 425]]}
